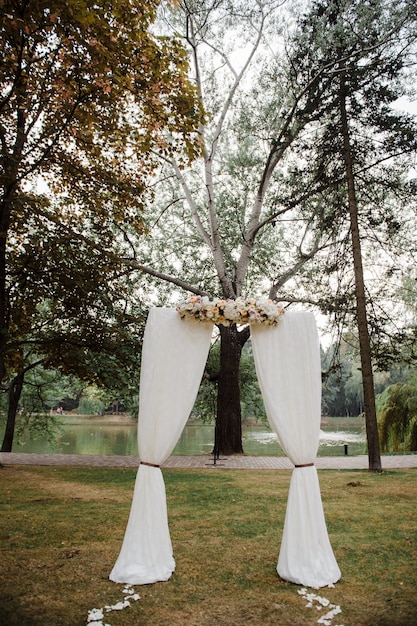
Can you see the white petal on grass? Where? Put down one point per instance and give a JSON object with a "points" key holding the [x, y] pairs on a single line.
{"points": [[95, 615], [319, 602], [120, 606]]}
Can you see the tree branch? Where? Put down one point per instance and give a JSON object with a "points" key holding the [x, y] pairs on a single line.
{"points": [[193, 208], [303, 259]]}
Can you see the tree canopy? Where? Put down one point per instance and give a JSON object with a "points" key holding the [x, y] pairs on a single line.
{"points": [[397, 418], [265, 208], [87, 94]]}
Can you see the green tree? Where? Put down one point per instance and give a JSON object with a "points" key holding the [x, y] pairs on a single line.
{"points": [[397, 418], [230, 206], [342, 390], [367, 46], [267, 208], [65, 310], [69, 311], [87, 93], [42, 393], [252, 407]]}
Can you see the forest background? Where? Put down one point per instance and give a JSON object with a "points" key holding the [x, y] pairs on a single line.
{"points": [[202, 148]]}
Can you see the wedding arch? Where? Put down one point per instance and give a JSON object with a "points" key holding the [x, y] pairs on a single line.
{"points": [[287, 361]]}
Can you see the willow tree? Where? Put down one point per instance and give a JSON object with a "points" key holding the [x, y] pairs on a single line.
{"points": [[87, 91], [397, 418]]}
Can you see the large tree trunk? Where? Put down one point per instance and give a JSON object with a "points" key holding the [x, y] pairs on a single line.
{"points": [[3, 319], [228, 431], [15, 391], [374, 453], [8, 194], [4, 227]]}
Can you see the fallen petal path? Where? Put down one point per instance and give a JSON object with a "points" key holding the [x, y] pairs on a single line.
{"points": [[205, 462], [95, 616], [318, 602]]}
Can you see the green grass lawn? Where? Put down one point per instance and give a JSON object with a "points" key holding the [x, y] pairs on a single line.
{"points": [[61, 530]]}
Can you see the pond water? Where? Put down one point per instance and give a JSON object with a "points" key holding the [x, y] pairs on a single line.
{"points": [[93, 435]]}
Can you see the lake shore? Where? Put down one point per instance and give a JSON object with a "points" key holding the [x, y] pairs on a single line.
{"points": [[126, 418], [116, 434], [108, 418]]}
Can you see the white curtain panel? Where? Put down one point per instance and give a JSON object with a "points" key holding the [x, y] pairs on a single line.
{"points": [[174, 355], [287, 361]]}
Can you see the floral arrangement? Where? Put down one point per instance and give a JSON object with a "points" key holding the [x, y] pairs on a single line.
{"points": [[228, 312]]}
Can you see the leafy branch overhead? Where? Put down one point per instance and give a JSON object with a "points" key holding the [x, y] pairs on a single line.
{"points": [[86, 91], [88, 94]]}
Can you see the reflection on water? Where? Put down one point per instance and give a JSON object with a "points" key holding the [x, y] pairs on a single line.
{"points": [[92, 436], [264, 442], [340, 437]]}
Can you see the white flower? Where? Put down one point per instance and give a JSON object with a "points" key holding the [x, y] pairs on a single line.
{"points": [[119, 606], [227, 312], [134, 597], [319, 602], [231, 312], [328, 618], [94, 615]]}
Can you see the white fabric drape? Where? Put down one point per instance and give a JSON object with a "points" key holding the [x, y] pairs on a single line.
{"points": [[287, 361], [173, 358]]}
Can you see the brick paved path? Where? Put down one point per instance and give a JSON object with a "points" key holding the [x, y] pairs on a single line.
{"points": [[204, 462]]}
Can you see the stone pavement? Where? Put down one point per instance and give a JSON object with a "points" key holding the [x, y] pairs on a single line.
{"points": [[205, 462]]}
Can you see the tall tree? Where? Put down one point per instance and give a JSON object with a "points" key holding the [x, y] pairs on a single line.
{"points": [[269, 195], [233, 197], [372, 44], [374, 452], [86, 93]]}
